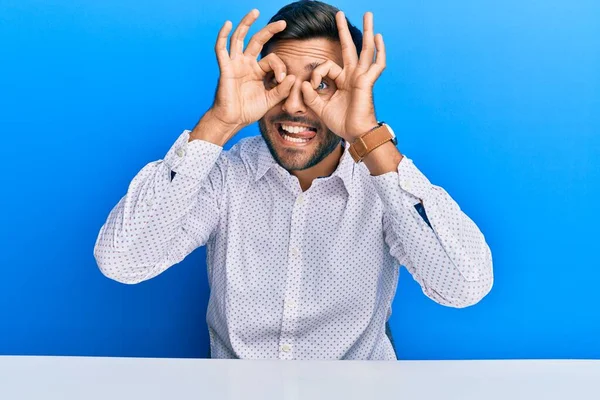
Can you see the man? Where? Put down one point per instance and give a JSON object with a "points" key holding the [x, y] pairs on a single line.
{"points": [[306, 225]]}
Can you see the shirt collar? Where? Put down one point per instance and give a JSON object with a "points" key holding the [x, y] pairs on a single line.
{"points": [[343, 171]]}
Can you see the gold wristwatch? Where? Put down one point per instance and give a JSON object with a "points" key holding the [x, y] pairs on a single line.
{"points": [[371, 140]]}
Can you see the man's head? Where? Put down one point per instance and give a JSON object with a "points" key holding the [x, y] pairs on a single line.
{"points": [[309, 39]]}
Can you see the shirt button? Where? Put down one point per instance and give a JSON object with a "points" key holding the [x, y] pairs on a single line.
{"points": [[300, 199], [290, 304], [286, 348], [181, 152], [150, 202], [295, 252]]}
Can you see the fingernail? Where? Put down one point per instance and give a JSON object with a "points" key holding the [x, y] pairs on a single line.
{"points": [[281, 76]]}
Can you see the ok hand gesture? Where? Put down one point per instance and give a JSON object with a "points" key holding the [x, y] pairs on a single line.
{"points": [[241, 96], [349, 112]]}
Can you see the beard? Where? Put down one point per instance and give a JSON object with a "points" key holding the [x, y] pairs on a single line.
{"points": [[296, 159]]}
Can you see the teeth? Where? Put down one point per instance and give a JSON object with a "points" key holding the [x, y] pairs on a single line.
{"points": [[294, 129], [295, 140]]}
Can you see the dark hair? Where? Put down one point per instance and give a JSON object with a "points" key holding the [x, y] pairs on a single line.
{"points": [[309, 19]]}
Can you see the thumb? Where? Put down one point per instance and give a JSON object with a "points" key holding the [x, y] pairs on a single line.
{"points": [[312, 99], [281, 91]]}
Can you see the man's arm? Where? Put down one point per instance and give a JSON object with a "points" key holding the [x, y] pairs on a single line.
{"points": [[450, 258], [161, 220], [172, 206], [441, 247]]}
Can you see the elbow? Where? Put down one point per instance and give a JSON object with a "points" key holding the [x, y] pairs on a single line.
{"points": [[462, 296], [120, 277], [472, 293], [117, 271], [469, 290]]}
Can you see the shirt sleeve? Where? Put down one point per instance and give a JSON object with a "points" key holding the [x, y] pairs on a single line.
{"points": [[428, 233], [160, 220]]}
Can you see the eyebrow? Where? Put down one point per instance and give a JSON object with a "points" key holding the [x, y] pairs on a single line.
{"points": [[310, 67]]}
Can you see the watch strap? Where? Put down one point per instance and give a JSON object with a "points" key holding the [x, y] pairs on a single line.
{"points": [[370, 141]]}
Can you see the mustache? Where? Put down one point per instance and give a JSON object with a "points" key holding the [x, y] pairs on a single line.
{"points": [[290, 118]]}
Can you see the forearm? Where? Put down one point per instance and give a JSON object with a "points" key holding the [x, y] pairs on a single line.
{"points": [[143, 233], [449, 256], [450, 259]]}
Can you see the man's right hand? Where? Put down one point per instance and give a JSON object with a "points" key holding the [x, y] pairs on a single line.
{"points": [[242, 97]]}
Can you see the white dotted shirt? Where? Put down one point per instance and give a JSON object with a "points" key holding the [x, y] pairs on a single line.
{"points": [[292, 274]]}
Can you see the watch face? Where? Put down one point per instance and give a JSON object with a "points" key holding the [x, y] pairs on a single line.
{"points": [[392, 132], [390, 129]]}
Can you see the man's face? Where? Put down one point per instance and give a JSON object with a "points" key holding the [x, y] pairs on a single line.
{"points": [[292, 115]]}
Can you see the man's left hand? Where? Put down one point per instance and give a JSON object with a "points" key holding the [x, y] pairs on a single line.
{"points": [[349, 112]]}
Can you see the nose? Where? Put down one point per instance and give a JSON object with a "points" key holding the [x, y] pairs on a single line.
{"points": [[294, 103]]}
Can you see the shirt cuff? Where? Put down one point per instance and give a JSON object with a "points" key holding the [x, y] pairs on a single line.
{"points": [[192, 159], [407, 182]]}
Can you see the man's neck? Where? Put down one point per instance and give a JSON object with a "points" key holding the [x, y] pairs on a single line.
{"points": [[325, 167]]}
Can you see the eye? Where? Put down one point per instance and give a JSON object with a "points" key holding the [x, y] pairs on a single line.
{"points": [[322, 86], [271, 81]]}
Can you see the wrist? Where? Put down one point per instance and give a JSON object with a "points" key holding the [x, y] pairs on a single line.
{"points": [[211, 129], [383, 159], [362, 130]]}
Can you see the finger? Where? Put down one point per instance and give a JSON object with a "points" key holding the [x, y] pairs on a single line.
{"points": [[273, 63], [348, 48], [281, 91], [221, 44], [312, 98], [327, 69], [379, 65], [368, 47], [237, 39], [261, 37]]}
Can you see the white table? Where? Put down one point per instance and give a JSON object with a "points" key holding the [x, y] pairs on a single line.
{"points": [[79, 378]]}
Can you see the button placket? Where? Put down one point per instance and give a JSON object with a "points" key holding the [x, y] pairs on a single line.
{"points": [[293, 280]]}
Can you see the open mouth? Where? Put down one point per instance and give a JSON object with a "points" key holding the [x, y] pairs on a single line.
{"points": [[296, 133]]}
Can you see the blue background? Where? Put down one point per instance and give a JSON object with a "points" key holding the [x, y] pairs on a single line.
{"points": [[496, 101]]}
